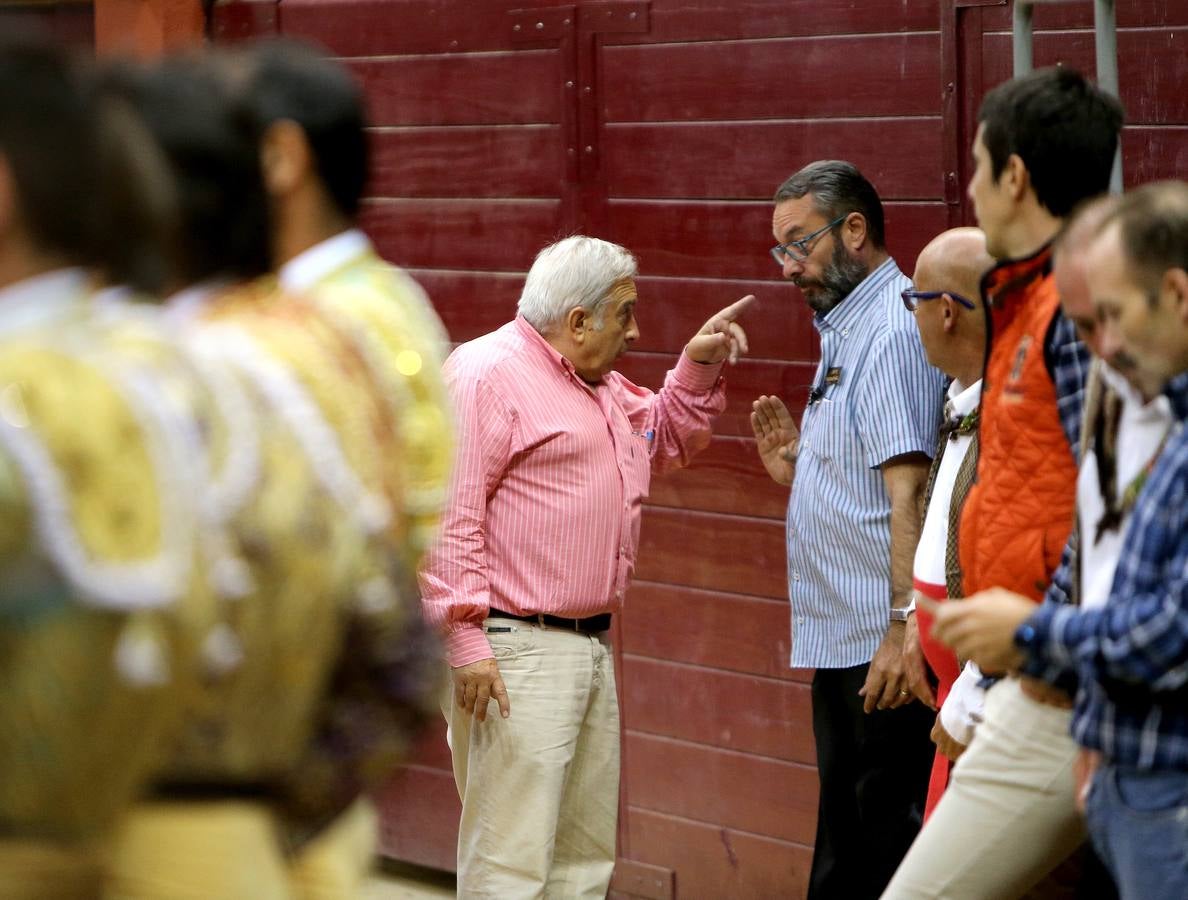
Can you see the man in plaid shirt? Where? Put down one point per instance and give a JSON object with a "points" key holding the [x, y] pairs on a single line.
{"points": [[1131, 655]]}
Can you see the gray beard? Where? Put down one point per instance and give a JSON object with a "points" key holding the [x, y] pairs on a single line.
{"points": [[841, 276]]}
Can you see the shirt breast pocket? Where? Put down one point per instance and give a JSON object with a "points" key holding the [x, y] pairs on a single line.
{"points": [[833, 437]]}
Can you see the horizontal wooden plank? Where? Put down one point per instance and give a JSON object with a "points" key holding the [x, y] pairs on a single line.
{"points": [[722, 709], [787, 78], [419, 814], [369, 27], [721, 788], [714, 552], [467, 161], [744, 382], [471, 303], [475, 234], [520, 87], [365, 27], [680, 20], [1153, 154], [727, 477], [671, 310], [713, 862], [747, 160], [731, 239], [710, 628], [1151, 67], [1131, 14]]}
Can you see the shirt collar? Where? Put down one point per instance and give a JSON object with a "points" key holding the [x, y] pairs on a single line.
{"points": [[1176, 391], [188, 303], [856, 304], [963, 400], [309, 267], [42, 298], [1012, 275], [538, 345]]}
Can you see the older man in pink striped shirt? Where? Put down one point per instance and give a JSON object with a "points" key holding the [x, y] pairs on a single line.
{"points": [[536, 552]]}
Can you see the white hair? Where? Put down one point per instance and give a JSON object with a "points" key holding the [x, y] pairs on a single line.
{"points": [[578, 271]]}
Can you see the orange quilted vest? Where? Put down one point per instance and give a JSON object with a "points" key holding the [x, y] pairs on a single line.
{"points": [[1019, 512]]}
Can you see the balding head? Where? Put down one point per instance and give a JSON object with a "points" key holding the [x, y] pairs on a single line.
{"points": [[954, 336]]}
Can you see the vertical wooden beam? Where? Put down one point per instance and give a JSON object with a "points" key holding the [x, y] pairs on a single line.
{"points": [[148, 28]]}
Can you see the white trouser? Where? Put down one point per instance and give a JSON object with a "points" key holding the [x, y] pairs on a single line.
{"points": [[540, 789], [1008, 817]]}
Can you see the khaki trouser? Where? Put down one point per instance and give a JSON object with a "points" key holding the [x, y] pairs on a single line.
{"points": [[198, 850], [1008, 817], [540, 790], [42, 870], [335, 865]]}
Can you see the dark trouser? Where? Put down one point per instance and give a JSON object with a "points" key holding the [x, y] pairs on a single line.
{"points": [[874, 777]]}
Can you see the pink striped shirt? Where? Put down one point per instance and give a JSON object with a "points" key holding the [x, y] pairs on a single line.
{"points": [[545, 504]]}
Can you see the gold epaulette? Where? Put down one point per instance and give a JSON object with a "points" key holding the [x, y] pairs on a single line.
{"points": [[389, 319]]}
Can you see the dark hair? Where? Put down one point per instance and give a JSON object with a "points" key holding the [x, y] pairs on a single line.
{"points": [[837, 188], [1153, 221], [48, 138], [294, 82], [210, 143], [1063, 128]]}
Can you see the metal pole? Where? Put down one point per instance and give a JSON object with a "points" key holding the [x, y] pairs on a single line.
{"points": [[1021, 37], [1106, 41]]}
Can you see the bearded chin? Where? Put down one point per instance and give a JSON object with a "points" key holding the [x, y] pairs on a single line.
{"points": [[841, 276]]}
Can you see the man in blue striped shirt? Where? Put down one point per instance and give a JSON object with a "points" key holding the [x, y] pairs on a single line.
{"points": [[857, 469], [1131, 655]]}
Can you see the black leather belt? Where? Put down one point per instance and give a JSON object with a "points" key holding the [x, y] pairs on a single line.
{"points": [[590, 625]]}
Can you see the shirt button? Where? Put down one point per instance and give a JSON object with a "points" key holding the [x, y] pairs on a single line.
{"points": [[800, 620], [796, 576], [845, 332]]}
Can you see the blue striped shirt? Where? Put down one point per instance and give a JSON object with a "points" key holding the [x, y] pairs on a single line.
{"points": [[875, 398], [1132, 654]]}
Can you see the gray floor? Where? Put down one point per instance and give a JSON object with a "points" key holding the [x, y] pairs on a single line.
{"points": [[397, 881]]}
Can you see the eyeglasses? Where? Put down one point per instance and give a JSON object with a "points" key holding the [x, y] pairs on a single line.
{"points": [[912, 298], [799, 250]]}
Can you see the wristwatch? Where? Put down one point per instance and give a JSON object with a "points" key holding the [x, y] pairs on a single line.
{"points": [[901, 613]]}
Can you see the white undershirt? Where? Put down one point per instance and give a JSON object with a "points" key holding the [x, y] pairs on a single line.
{"points": [[309, 267]]}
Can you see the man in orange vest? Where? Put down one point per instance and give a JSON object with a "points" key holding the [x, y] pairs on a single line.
{"points": [[1045, 142]]}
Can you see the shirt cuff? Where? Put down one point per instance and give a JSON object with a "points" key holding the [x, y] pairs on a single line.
{"points": [[695, 376], [1039, 638], [467, 644]]}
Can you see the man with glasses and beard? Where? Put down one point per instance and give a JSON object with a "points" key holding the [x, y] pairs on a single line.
{"points": [[858, 468]]}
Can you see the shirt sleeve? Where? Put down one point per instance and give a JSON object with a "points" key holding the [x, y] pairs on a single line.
{"points": [[1136, 638], [679, 418], [963, 709], [899, 399], [1068, 362], [455, 592]]}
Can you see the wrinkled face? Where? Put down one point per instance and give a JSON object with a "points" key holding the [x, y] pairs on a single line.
{"points": [[603, 344], [992, 202], [1069, 272], [829, 272], [1145, 325]]}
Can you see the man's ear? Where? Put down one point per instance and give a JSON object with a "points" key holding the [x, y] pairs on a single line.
{"points": [[577, 322], [949, 305], [1015, 177], [1175, 282], [853, 231], [8, 198], [284, 156]]}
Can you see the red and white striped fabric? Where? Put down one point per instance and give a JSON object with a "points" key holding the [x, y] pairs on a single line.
{"points": [[551, 473]]}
